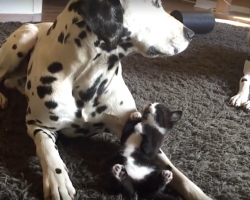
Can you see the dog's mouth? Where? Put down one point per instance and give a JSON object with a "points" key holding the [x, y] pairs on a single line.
{"points": [[153, 52]]}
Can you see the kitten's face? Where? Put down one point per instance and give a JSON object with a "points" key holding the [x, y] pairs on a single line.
{"points": [[157, 120], [160, 115]]}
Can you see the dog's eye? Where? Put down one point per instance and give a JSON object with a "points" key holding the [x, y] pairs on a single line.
{"points": [[156, 3]]}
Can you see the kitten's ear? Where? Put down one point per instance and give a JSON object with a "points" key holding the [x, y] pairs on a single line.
{"points": [[175, 116]]}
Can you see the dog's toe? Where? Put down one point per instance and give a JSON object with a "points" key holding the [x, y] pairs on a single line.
{"points": [[238, 100]]}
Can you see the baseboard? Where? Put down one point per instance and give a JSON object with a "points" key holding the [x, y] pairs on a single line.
{"points": [[21, 17], [206, 4]]}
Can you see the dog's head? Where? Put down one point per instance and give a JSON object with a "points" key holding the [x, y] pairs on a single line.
{"points": [[140, 25]]}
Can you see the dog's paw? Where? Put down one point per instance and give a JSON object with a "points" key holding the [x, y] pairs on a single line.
{"points": [[57, 185], [239, 100], [3, 101], [247, 105], [118, 171], [135, 115], [167, 175]]}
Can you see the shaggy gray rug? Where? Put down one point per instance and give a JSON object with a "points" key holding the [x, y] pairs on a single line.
{"points": [[211, 144]]}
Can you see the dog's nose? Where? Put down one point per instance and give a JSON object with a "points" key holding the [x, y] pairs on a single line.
{"points": [[188, 33]]}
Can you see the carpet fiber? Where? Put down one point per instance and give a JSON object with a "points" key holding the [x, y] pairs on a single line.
{"points": [[211, 143]]}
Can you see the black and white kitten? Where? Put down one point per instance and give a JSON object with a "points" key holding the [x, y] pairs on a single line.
{"points": [[136, 168]]}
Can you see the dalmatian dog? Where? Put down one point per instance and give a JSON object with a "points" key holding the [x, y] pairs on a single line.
{"points": [[241, 99], [71, 74]]}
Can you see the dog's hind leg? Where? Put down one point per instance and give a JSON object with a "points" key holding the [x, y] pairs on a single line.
{"points": [[182, 184], [241, 99], [14, 50]]}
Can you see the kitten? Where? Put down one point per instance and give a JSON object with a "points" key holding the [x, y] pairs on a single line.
{"points": [[136, 168]]}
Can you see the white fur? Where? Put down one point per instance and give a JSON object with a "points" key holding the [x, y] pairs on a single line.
{"points": [[150, 26]]}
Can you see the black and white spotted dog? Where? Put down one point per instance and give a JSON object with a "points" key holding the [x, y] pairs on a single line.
{"points": [[241, 99], [136, 168], [74, 76]]}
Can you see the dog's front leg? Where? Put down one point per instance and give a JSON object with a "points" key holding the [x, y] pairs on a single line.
{"points": [[182, 184], [56, 182], [241, 99]]}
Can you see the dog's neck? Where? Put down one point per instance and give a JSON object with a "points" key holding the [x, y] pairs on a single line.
{"points": [[93, 51]]}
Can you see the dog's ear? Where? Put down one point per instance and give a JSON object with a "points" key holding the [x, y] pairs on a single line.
{"points": [[105, 19]]}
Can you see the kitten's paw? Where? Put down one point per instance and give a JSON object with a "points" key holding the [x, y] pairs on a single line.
{"points": [[167, 175], [118, 171], [135, 115]]}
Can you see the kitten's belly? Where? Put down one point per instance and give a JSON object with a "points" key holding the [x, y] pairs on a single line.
{"points": [[136, 172]]}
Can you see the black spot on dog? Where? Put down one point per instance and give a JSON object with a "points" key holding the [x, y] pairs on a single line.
{"points": [[121, 55], [99, 125], [47, 79], [42, 91], [96, 102], [101, 87], [105, 47], [31, 122], [55, 67], [32, 93], [14, 47], [20, 54], [36, 131], [49, 30], [56, 147], [81, 24], [66, 38], [117, 70], [93, 114], [82, 131], [29, 70], [75, 126], [61, 37], [74, 20], [97, 43], [82, 35], [121, 102], [78, 42], [243, 80], [54, 24], [97, 56], [54, 117], [79, 103], [29, 85], [88, 29], [51, 104], [29, 110], [89, 93], [126, 45], [39, 121], [78, 114], [111, 61], [58, 171], [101, 109]]}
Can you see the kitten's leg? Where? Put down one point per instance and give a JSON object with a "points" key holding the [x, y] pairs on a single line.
{"points": [[182, 184], [118, 171]]}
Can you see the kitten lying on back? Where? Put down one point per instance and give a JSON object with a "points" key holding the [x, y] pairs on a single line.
{"points": [[136, 167]]}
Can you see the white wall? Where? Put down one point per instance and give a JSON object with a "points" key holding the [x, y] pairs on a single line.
{"points": [[206, 4], [21, 6]]}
